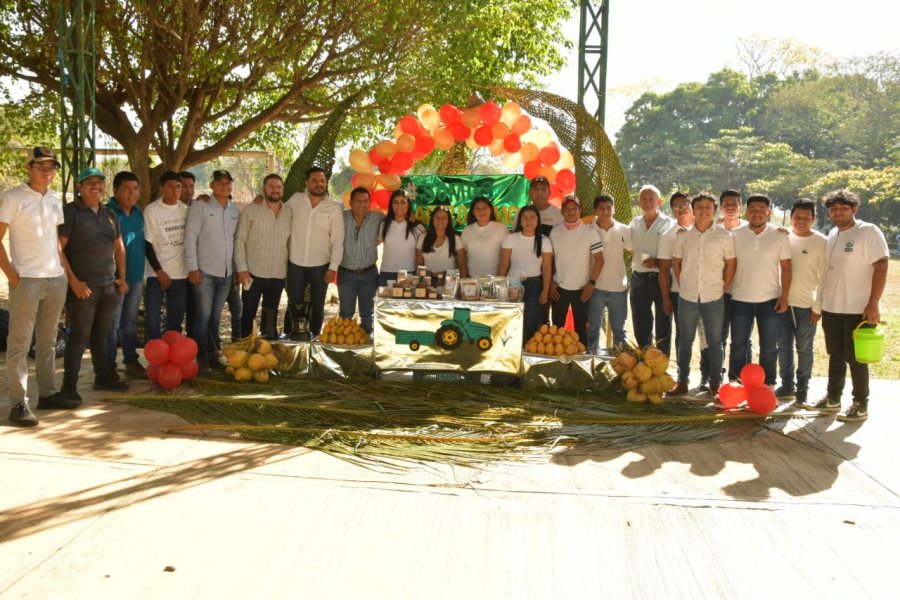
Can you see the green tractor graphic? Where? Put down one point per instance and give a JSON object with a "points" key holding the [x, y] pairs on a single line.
{"points": [[451, 333]]}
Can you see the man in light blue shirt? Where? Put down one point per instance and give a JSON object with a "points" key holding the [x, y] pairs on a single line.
{"points": [[209, 254]]}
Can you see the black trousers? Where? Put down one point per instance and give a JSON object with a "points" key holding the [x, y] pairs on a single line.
{"points": [[89, 322], [838, 330], [560, 308], [647, 312], [269, 289], [297, 280]]}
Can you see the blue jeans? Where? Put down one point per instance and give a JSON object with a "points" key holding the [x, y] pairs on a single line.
{"points": [[358, 287], [689, 314], [236, 309], [386, 276], [742, 316], [533, 309], [726, 328], [647, 313], [176, 303], [616, 305], [297, 280], [211, 295], [124, 325], [795, 327]]}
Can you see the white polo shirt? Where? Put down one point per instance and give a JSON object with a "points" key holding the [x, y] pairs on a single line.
{"points": [[850, 257], [807, 270], [703, 256], [758, 275], [616, 240], [522, 258], [164, 228], [317, 233], [573, 251], [32, 218], [667, 247], [646, 240], [482, 246]]}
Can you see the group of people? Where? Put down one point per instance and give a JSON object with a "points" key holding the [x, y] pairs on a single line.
{"points": [[192, 255]]}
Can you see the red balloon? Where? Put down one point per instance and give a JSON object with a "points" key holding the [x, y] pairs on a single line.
{"points": [[189, 370], [424, 146], [410, 124], [402, 161], [172, 336], [490, 112], [484, 135], [732, 394], [753, 374], [450, 115], [156, 352], [761, 399], [381, 199], [531, 169], [460, 132], [566, 180], [549, 155], [153, 372], [374, 157], [555, 190], [512, 143], [385, 165], [184, 351], [170, 376]]}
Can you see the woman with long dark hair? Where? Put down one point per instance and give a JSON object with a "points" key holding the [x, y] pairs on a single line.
{"points": [[399, 234], [440, 248], [527, 254], [482, 238]]}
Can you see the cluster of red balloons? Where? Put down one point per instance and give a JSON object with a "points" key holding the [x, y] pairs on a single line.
{"points": [[506, 131], [172, 359], [753, 390]]}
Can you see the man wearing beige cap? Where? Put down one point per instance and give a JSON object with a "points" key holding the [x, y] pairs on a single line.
{"points": [[31, 213]]}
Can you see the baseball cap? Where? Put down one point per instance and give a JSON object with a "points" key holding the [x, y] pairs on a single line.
{"points": [[571, 198], [90, 172], [221, 174], [42, 154], [540, 179]]}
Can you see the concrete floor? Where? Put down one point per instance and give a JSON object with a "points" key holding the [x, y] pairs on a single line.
{"points": [[103, 503]]}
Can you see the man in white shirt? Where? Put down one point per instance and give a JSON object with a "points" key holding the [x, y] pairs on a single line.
{"points": [[611, 290], [855, 276], [760, 288], [539, 193], [680, 203], [31, 213], [805, 301], [578, 257], [316, 249], [647, 312], [704, 261]]}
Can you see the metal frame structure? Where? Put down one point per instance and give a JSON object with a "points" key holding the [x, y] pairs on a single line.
{"points": [[77, 76], [592, 52]]}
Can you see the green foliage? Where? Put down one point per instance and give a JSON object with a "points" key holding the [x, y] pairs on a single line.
{"points": [[32, 122], [878, 190]]}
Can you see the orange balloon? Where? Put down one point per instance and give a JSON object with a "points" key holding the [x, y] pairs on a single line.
{"points": [[443, 139], [496, 148], [522, 125], [471, 117], [385, 148], [389, 181], [529, 152], [406, 143], [499, 130], [531, 169], [359, 161], [346, 199], [548, 172], [365, 180]]}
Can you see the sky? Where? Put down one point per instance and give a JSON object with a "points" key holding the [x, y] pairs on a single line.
{"points": [[657, 44]]}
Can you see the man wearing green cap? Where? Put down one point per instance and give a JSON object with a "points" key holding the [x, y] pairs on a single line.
{"points": [[91, 239], [31, 213]]}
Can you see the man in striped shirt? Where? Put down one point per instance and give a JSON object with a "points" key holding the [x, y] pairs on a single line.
{"points": [[357, 273]]}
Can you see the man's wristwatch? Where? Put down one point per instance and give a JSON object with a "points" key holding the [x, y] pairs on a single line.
{"points": [[592, 282]]}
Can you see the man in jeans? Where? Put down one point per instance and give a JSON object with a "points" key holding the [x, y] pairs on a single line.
{"points": [[92, 242], [31, 212], [358, 274], [855, 274], [760, 289], [805, 301], [261, 254], [126, 193], [209, 255], [611, 291], [705, 263], [680, 203]]}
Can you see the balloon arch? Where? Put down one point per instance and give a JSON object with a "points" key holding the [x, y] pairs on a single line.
{"points": [[506, 131]]}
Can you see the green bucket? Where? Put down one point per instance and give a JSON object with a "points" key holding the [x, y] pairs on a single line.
{"points": [[868, 343]]}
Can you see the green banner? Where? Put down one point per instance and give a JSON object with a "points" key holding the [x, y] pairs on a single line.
{"points": [[507, 192]]}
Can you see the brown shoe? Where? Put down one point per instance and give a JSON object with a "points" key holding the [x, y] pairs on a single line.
{"points": [[714, 391], [135, 370], [680, 389]]}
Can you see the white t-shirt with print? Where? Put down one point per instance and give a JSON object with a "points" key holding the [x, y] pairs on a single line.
{"points": [[850, 257], [164, 227], [758, 274]]}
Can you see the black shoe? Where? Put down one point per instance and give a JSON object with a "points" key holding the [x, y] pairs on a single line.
{"points": [[70, 393], [58, 401], [110, 383], [856, 412], [21, 416]]}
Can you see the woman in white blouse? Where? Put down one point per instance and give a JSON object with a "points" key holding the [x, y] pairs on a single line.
{"points": [[528, 254], [482, 238], [399, 234], [440, 248]]}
